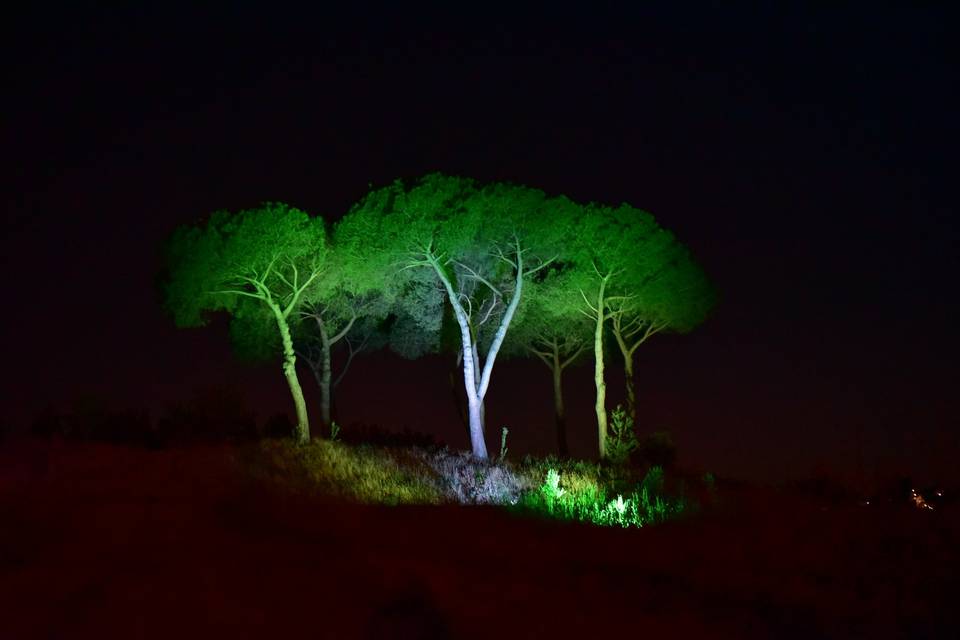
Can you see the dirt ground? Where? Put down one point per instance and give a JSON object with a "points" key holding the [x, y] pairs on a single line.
{"points": [[99, 541]]}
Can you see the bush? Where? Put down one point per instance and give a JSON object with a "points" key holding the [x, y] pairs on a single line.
{"points": [[467, 480]]}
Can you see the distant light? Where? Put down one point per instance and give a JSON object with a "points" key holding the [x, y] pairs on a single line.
{"points": [[918, 500]]}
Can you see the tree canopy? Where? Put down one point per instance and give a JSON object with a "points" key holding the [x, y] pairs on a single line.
{"points": [[480, 243], [270, 256], [507, 267]]}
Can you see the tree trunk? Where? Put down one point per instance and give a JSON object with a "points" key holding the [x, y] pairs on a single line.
{"points": [[601, 404], [474, 404], [631, 388], [326, 375], [470, 383], [477, 442], [290, 373], [476, 386], [560, 416]]}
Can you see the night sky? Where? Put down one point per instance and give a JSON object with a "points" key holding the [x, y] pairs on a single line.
{"points": [[803, 155]]}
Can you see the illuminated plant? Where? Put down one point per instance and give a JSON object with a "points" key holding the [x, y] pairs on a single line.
{"points": [[591, 503], [258, 261], [551, 490], [621, 441]]}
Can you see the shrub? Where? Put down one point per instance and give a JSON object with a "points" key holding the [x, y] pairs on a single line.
{"points": [[467, 480], [621, 441]]}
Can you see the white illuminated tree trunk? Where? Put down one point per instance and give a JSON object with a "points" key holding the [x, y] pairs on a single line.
{"points": [[476, 370]]}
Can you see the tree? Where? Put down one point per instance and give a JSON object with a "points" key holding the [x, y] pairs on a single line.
{"points": [[244, 263], [616, 251], [675, 296], [551, 328], [331, 317], [480, 244], [339, 310]]}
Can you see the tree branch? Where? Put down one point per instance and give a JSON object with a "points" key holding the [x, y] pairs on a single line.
{"points": [[345, 330], [503, 257], [545, 358], [652, 329], [576, 354], [350, 356], [543, 265], [239, 293], [476, 276], [591, 307]]}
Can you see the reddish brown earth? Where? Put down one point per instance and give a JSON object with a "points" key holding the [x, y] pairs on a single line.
{"points": [[99, 541]]}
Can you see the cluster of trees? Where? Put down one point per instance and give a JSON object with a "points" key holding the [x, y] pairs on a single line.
{"points": [[443, 263]]}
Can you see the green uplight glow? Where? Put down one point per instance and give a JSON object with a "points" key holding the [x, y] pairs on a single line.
{"points": [[592, 503], [581, 492]]}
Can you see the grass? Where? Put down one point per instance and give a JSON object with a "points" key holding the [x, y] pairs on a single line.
{"points": [[548, 487], [586, 502]]}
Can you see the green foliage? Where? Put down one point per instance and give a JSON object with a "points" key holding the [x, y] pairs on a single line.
{"points": [[271, 254], [567, 490], [503, 443], [412, 237], [334, 431], [653, 480], [621, 439], [645, 504]]}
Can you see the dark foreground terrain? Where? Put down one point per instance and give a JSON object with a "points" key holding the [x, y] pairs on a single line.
{"points": [[99, 541]]}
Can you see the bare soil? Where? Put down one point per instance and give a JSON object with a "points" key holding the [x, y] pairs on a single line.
{"points": [[98, 541]]}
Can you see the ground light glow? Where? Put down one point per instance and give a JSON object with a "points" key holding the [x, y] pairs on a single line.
{"points": [[563, 490], [643, 505]]}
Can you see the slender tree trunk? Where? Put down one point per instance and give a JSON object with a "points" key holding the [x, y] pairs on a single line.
{"points": [[290, 373], [326, 375], [559, 412], [601, 404], [627, 371], [631, 388]]}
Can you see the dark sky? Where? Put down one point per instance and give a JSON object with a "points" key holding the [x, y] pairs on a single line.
{"points": [[803, 154]]}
